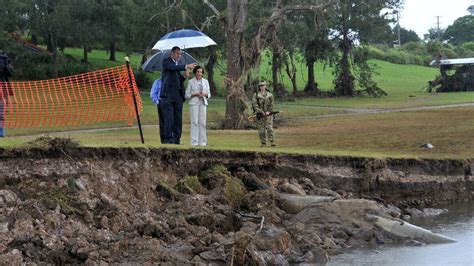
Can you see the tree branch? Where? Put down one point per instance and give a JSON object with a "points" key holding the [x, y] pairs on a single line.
{"points": [[212, 7]]}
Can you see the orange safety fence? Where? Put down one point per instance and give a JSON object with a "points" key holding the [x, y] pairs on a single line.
{"points": [[99, 96]]}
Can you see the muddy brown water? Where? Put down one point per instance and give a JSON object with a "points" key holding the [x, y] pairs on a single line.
{"points": [[457, 223]]}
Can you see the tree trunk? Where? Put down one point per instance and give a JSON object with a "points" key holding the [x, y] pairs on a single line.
{"points": [[278, 89], [291, 72], [85, 54], [34, 39], [236, 99], [112, 51], [345, 81], [49, 45], [54, 51], [311, 87], [210, 72]]}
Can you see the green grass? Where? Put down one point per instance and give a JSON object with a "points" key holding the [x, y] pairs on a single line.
{"points": [[302, 126], [398, 134], [405, 84]]}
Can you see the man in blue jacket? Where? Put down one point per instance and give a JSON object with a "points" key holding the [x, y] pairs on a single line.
{"points": [[172, 96]]}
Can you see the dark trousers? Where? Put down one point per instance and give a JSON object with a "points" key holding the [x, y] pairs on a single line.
{"points": [[161, 124], [172, 115]]}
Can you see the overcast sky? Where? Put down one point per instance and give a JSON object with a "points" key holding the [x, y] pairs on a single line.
{"points": [[420, 15]]}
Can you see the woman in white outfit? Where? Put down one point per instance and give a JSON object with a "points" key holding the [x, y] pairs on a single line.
{"points": [[198, 92]]}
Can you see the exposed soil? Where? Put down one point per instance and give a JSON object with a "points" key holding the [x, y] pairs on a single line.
{"points": [[85, 205]]}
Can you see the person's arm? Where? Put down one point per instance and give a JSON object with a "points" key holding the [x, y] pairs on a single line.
{"points": [[255, 106], [270, 104], [207, 89], [154, 93], [187, 94]]}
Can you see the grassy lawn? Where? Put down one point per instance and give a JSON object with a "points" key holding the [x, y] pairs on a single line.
{"points": [[397, 134], [405, 84], [302, 126]]}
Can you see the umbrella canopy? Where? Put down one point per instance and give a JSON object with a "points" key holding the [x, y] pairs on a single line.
{"points": [[184, 39], [155, 62]]}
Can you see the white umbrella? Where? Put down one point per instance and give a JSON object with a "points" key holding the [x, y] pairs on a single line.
{"points": [[184, 39]]}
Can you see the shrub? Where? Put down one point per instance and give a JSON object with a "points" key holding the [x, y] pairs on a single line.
{"points": [[376, 53], [398, 57], [143, 80]]}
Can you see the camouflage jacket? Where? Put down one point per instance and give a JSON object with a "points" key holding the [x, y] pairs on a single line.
{"points": [[262, 102]]}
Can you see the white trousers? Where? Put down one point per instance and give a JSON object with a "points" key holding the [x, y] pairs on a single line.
{"points": [[197, 115]]}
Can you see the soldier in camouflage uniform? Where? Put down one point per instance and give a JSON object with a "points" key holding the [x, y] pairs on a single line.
{"points": [[262, 104]]}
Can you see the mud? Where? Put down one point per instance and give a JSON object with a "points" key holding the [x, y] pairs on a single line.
{"points": [[108, 205]]}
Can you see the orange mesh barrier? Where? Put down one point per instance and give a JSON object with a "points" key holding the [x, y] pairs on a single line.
{"points": [[98, 96]]}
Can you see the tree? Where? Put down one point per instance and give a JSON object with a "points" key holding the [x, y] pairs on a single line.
{"points": [[355, 21], [11, 15], [433, 34], [242, 54], [408, 36], [50, 19], [461, 31]]}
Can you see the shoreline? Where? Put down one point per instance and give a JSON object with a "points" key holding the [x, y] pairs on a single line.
{"points": [[108, 205]]}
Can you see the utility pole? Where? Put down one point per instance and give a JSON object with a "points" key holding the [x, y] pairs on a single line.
{"points": [[398, 26], [437, 23]]}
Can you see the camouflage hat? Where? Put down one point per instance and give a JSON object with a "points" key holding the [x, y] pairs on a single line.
{"points": [[262, 83]]}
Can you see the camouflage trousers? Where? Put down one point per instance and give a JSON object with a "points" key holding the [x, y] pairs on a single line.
{"points": [[265, 129]]}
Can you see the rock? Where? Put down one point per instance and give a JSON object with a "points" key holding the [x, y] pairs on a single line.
{"points": [[7, 198], [13, 257], [212, 255], [241, 241], [36, 213], [106, 199], [320, 256], [273, 239], [379, 239], [80, 184], [196, 260], [50, 204], [427, 212], [268, 258], [217, 238], [414, 243], [414, 212], [364, 234], [308, 257], [394, 211], [340, 234], [104, 222], [329, 243], [292, 189], [328, 192], [295, 203], [83, 252], [317, 239], [88, 217], [4, 227], [406, 217], [252, 182]]}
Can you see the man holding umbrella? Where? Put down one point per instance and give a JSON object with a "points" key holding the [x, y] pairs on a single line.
{"points": [[172, 96]]}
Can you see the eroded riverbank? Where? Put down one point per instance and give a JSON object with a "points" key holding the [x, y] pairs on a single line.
{"points": [[161, 205]]}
